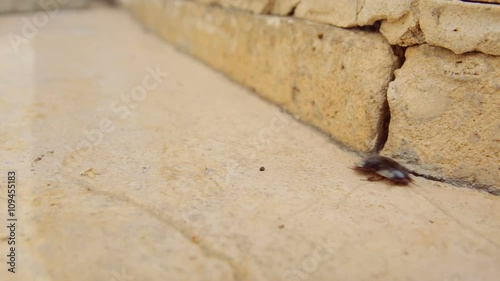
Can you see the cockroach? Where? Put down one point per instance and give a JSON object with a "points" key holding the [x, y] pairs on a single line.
{"points": [[384, 167]]}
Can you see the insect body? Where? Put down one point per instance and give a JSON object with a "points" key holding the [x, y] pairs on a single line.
{"points": [[383, 167]]}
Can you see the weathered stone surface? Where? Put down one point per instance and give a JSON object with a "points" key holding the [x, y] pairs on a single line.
{"points": [[461, 26], [445, 117], [68, 3], [325, 75], [151, 14], [345, 13], [370, 11], [278, 7], [284, 7], [22, 5], [456, 25], [256, 6], [7, 6], [404, 31], [338, 13], [171, 189]]}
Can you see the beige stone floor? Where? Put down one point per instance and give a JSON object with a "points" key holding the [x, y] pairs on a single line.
{"points": [[126, 173]]}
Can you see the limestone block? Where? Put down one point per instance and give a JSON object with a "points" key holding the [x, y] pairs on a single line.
{"points": [[343, 13], [461, 26], [149, 14], [284, 7], [74, 3], [6, 6], [456, 25], [256, 6], [404, 31], [340, 13], [24, 5], [370, 11], [347, 13], [445, 117], [277, 7], [325, 75]]}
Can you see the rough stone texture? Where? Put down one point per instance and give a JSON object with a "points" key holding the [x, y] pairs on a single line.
{"points": [[370, 11], [325, 75], [338, 13], [255, 6], [284, 7], [347, 13], [7, 6], [343, 13], [277, 7], [404, 31], [445, 117], [173, 191], [456, 25], [461, 26]]}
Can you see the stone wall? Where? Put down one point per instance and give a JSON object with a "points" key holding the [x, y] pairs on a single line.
{"points": [[456, 25], [9, 6], [417, 80]]}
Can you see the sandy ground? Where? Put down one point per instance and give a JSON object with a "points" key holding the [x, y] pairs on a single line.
{"points": [[136, 162]]}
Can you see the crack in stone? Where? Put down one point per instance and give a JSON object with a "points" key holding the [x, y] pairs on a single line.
{"points": [[383, 125], [291, 13], [359, 8], [383, 132], [187, 234], [385, 112]]}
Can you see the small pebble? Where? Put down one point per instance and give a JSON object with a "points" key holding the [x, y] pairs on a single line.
{"points": [[262, 169]]}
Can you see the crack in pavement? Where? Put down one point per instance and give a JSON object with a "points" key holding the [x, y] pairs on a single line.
{"points": [[187, 234]]}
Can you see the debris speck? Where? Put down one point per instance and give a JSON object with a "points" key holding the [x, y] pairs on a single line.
{"points": [[262, 169]]}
